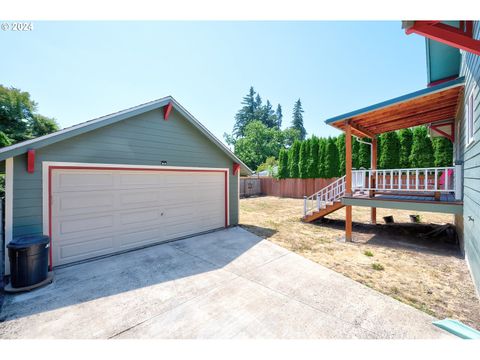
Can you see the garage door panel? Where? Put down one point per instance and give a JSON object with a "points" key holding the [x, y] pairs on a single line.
{"points": [[141, 238], [134, 210], [81, 181], [82, 249], [145, 216]]}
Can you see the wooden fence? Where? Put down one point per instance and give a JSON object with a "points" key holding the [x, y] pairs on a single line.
{"points": [[291, 188]]}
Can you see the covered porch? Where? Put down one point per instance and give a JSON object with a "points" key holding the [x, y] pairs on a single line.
{"points": [[436, 189]]}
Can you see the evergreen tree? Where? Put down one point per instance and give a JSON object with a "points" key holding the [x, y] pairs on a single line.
{"points": [[283, 172], [279, 116], [313, 163], [341, 154], [303, 160], [364, 159], [390, 155], [355, 153], [331, 159], [406, 140], [297, 121], [246, 114], [321, 157], [422, 149], [443, 151], [293, 158]]}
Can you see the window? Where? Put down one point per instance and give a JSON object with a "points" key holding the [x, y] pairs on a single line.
{"points": [[469, 120]]}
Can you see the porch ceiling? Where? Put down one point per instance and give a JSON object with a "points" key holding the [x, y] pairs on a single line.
{"points": [[418, 108]]}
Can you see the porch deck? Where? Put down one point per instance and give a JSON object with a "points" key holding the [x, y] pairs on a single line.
{"points": [[419, 201]]}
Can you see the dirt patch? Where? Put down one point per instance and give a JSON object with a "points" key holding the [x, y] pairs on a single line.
{"points": [[399, 260]]}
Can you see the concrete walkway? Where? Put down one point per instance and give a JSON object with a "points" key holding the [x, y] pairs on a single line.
{"points": [[226, 284]]}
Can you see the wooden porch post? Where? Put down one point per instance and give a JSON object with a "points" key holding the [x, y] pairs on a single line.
{"points": [[348, 180], [373, 166]]}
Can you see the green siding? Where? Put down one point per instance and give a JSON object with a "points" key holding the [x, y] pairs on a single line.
{"points": [[144, 139], [470, 155]]}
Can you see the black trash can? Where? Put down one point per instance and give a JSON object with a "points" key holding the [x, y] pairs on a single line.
{"points": [[28, 260]]}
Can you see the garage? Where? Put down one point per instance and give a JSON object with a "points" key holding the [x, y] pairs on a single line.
{"points": [[97, 212], [135, 178]]}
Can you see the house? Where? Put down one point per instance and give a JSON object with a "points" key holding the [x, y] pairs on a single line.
{"points": [[148, 174], [449, 106]]}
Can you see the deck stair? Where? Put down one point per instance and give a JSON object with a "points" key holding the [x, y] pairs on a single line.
{"points": [[324, 201]]}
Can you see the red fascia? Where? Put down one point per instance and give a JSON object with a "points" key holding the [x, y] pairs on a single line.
{"points": [[236, 168], [458, 38], [30, 161], [437, 82], [167, 109]]}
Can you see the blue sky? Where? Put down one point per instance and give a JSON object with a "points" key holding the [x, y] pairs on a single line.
{"points": [[81, 70]]}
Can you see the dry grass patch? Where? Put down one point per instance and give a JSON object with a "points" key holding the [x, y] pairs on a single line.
{"points": [[427, 273]]}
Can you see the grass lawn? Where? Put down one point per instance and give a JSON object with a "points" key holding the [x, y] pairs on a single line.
{"points": [[428, 273]]}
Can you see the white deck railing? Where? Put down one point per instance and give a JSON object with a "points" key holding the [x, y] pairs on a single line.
{"points": [[439, 179], [323, 197]]}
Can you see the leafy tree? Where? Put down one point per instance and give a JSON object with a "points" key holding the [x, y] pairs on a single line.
{"points": [[303, 160], [313, 158], [406, 140], [341, 153], [270, 164], [4, 140], [290, 135], [259, 143], [322, 152], [331, 159], [18, 118], [283, 172], [443, 151], [297, 122], [293, 159], [279, 116], [364, 159], [390, 153], [422, 149]]}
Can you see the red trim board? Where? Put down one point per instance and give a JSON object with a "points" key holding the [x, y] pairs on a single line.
{"points": [[66, 167]]}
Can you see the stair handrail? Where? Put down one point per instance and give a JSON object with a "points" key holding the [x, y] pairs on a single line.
{"points": [[330, 193]]}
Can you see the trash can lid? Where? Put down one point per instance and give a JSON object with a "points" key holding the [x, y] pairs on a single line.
{"points": [[27, 241]]}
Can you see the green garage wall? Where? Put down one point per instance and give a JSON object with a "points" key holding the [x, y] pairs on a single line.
{"points": [[144, 139], [470, 155]]}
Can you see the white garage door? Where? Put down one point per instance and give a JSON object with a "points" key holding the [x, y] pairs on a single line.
{"points": [[99, 212]]}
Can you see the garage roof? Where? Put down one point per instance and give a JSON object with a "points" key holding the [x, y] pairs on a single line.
{"points": [[420, 107], [42, 141]]}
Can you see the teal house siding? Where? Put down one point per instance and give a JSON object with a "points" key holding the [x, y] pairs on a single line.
{"points": [[470, 155], [145, 139]]}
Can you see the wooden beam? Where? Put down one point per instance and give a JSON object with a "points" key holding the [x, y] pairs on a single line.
{"points": [[348, 180], [167, 109], [360, 129]]}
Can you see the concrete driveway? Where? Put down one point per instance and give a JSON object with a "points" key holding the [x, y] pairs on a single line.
{"points": [[226, 284]]}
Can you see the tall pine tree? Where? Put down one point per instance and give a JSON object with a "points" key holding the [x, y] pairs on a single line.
{"points": [[341, 154], [279, 116], [293, 157], [283, 172], [390, 153], [422, 149], [303, 160], [364, 159], [331, 159], [297, 121], [322, 149], [406, 140], [443, 151], [246, 114]]}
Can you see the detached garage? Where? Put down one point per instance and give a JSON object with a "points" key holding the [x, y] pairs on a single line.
{"points": [[138, 177]]}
